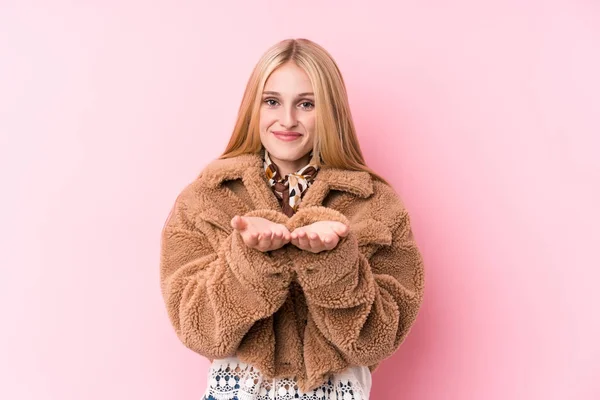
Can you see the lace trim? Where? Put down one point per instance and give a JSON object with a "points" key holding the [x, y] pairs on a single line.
{"points": [[239, 381]]}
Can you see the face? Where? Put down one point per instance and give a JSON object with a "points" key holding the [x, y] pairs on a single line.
{"points": [[287, 117]]}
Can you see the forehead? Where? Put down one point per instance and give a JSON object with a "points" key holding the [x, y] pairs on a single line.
{"points": [[288, 78]]}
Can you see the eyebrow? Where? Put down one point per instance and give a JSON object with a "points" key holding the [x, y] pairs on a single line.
{"points": [[299, 94]]}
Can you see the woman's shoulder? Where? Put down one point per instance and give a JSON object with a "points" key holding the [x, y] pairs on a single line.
{"points": [[368, 186], [385, 204], [367, 196], [385, 192], [201, 192], [222, 169]]}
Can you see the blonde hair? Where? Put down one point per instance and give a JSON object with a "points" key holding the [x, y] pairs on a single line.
{"points": [[336, 144]]}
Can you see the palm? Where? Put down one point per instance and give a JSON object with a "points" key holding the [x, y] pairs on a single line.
{"points": [[260, 233], [319, 236]]}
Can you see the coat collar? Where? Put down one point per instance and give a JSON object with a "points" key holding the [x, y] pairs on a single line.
{"points": [[249, 167]]}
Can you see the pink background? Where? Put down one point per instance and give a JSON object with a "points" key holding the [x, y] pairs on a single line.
{"points": [[484, 116]]}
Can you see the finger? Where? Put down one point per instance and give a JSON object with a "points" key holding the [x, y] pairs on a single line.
{"points": [[238, 223], [316, 244], [295, 242], [341, 230], [303, 241], [281, 238], [313, 236], [268, 243], [277, 243], [330, 241], [263, 243], [269, 238], [285, 233], [251, 239], [294, 238], [263, 235], [294, 234], [234, 222]]}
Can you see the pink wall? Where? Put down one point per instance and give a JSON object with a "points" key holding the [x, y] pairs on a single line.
{"points": [[484, 117]]}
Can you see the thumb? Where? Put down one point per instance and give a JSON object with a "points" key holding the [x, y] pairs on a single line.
{"points": [[239, 223], [341, 229]]}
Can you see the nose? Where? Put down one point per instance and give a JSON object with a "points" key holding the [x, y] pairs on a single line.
{"points": [[288, 118]]}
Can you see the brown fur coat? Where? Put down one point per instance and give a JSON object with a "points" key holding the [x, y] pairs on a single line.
{"points": [[290, 312]]}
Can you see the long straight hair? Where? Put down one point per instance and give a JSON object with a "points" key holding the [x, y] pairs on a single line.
{"points": [[336, 143]]}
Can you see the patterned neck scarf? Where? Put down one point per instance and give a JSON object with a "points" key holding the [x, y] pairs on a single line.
{"points": [[289, 189]]}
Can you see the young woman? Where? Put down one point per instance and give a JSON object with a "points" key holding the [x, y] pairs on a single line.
{"points": [[288, 262]]}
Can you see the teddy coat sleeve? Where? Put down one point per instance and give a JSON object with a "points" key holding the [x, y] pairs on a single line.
{"points": [[214, 286], [363, 304]]}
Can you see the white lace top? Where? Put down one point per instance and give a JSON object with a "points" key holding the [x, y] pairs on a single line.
{"points": [[231, 379]]}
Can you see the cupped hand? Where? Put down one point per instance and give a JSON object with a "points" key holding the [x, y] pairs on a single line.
{"points": [[319, 236], [260, 233]]}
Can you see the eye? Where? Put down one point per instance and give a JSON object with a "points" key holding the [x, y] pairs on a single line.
{"points": [[271, 102], [307, 105]]}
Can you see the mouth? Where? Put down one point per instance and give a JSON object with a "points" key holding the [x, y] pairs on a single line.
{"points": [[287, 136]]}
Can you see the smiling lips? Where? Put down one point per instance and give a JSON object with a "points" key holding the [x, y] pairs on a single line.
{"points": [[287, 136]]}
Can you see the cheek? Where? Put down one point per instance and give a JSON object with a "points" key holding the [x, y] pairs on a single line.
{"points": [[266, 119], [310, 123]]}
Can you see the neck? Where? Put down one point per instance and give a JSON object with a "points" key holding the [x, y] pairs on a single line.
{"points": [[287, 167]]}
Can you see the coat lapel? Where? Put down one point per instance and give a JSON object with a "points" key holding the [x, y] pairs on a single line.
{"points": [[358, 183], [249, 168], [259, 190]]}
